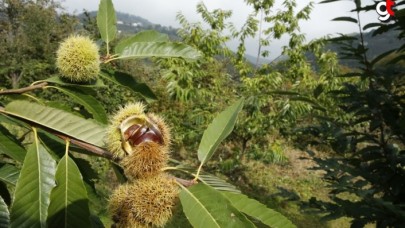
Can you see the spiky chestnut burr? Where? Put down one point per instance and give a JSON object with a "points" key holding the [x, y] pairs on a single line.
{"points": [[145, 202], [78, 59], [141, 141], [113, 139]]}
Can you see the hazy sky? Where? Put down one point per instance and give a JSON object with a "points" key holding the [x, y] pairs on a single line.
{"points": [[164, 12]]}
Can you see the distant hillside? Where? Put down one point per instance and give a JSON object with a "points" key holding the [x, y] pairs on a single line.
{"points": [[128, 24], [123, 19], [131, 24], [376, 45], [253, 59]]}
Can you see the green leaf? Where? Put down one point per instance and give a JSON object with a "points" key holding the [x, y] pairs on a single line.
{"points": [[69, 203], [384, 28], [349, 19], [318, 90], [143, 36], [218, 130], [12, 121], [13, 97], [158, 49], [4, 193], [106, 21], [53, 144], [258, 210], [4, 214], [207, 207], [91, 104], [397, 59], [309, 101], [10, 146], [65, 107], [382, 56], [207, 178], [328, 1], [126, 80], [342, 38], [9, 174], [31, 196], [217, 183], [56, 146], [358, 3], [96, 221], [371, 25], [58, 120], [57, 80], [89, 175]]}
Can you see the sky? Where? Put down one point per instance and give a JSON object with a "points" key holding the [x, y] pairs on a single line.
{"points": [[164, 12]]}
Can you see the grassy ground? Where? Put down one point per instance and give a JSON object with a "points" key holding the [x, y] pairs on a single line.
{"points": [[285, 187]]}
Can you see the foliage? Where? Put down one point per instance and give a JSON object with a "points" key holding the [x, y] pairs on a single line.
{"points": [[49, 144], [367, 182], [29, 37], [266, 108], [281, 95], [197, 89], [191, 80]]}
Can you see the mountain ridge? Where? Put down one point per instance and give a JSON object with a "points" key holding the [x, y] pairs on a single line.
{"points": [[377, 44]]}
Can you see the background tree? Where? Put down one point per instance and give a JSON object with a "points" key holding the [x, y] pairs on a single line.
{"points": [[368, 181], [30, 33]]}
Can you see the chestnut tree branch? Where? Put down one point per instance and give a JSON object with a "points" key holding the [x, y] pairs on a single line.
{"points": [[87, 146], [185, 183], [25, 89]]}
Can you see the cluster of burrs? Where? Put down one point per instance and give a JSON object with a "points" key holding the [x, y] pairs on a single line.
{"points": [[141, 143]]}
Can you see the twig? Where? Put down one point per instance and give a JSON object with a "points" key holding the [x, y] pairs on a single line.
{"points": [[185, 183], [260, 37], [93, 149], [25, 89]]}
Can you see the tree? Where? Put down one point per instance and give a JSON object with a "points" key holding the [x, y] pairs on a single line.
{"points": [[367, 183], [30, 34]]}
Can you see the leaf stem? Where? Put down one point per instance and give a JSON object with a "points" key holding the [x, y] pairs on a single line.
{"points": [[32, 97], [181, 170], [169, 168], [111, 59], [198, 172], [37, 82], [67, 146]]}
